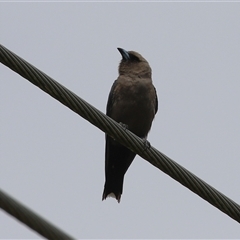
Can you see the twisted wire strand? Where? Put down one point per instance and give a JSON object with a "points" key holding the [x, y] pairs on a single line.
{"points": [[31, 219], [120, 134]]}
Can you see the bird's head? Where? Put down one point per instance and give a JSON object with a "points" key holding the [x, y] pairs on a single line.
{"points": [[133, 63]]}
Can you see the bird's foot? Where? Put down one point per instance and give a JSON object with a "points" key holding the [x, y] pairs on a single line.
{"points": [[125, 126], [147, 144]]}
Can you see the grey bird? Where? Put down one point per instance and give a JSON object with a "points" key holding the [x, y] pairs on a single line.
{"points": [[132, 102]]}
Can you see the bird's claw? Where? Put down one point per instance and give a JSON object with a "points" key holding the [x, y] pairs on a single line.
{"points": [[147, 144], [125, 126]]}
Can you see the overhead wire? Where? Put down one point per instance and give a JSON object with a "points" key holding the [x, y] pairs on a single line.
{"points": [[119, 133], [31, 219]]}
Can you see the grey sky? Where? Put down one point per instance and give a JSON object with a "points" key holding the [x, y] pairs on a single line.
{"points": [[52, 160]]}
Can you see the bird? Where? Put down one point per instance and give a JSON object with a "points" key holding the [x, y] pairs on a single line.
{"points": [[133, 103]]}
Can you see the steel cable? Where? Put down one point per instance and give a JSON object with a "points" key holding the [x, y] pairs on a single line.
{"points": [[120, 134], [31, 219]]}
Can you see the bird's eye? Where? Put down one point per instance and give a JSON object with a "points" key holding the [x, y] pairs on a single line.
{"points": [[134, 58]]}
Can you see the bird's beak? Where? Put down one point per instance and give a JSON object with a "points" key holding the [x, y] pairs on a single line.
{"points": [[124, 53]]}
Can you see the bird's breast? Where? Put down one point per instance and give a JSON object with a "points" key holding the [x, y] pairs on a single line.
{"points": [[134, 105]]}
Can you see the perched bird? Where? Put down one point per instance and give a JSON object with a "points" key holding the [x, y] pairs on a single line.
{"points": [[132, 102]]}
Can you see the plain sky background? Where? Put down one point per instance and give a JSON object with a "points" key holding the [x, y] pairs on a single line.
{"points": [[52, 160]]}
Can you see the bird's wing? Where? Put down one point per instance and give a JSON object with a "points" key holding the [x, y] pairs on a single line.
{"points": [[111, 99], [156, 101]]}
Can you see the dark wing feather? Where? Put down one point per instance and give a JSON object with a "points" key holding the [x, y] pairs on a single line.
{"points": [[111, 99], [156, 103]]}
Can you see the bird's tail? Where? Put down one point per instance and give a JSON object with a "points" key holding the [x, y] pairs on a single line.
{"points": [[113, 188]]}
